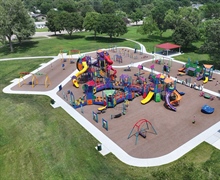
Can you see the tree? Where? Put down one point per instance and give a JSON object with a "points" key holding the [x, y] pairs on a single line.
{"points": [[14, 20], [112, 25], [54, 22], [71, 21], [158, 13], [212, 41], [67, 5], [148, 27], [174, 18], [91, 22], [212, 10], [137, 15], [129, 6], [108, 7], [25, 30], [185, 34]]}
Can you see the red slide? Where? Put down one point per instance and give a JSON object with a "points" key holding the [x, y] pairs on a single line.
{"points": [[108, 60], [115, 72]]}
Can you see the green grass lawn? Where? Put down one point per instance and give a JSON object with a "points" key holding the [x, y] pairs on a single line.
{"points": [[39, 142]]}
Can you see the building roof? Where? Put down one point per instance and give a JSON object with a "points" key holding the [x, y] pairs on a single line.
{"points": [[208, 66], [167, 46]]}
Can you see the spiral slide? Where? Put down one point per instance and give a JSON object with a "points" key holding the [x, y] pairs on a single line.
{"points": [[168, 101], [148, 98], [178, 97], [206, 80], [85, 67]]}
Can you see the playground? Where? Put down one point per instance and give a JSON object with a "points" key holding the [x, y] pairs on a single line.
{"points": [[143, 130]]}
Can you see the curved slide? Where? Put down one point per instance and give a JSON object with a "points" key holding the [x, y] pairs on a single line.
{"points": [[178, 97], [148, 98], [85, 67], [110, 62], [168, 101], [206, 80]]}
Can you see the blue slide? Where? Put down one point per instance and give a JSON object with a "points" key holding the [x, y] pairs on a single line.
{"points": [[168, 101]]}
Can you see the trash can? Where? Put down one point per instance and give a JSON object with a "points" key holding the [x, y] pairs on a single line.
{"points": [[99, 147]]}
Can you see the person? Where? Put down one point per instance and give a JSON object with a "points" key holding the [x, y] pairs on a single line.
{"points": [[216, 83]]}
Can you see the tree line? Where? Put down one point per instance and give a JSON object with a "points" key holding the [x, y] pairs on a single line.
{"points": [[188, 24]]}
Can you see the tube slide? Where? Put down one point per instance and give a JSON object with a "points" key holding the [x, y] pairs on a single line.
{"points": [[206, 80], [108, 60], [148, 98], [85, 67], [168, 101], [111, 68]]}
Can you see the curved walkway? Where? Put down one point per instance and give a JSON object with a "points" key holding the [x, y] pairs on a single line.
{"points": [[210, 135]]}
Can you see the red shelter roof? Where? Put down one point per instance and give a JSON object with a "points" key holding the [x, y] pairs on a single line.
{"points": [[167, 46]]}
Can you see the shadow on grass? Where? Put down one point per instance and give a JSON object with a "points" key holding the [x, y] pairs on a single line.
{"points": [[19, 48], [68, 37], [192, 49], [104, 39]]}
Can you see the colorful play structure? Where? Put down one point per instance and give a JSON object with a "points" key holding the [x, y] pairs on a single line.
{"points": [[95, 76], [173, 97], [193, 69], [101, 66]]}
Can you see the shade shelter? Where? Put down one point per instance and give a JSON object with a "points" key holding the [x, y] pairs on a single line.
{"points": [[167, 47]]}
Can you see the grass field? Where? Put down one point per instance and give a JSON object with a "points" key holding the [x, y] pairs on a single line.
{"points": [[39, 142]]}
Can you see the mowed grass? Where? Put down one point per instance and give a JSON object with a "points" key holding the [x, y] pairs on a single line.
{"points": [[39, 142], [83, 41]]}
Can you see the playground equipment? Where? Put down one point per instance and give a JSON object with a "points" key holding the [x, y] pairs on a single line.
{"points": [[207, 72], [155, 88], [47, 81], [71, 53], [102, 63], [33, 82], [172, 96], [124, 105], [113, 48], [105, 124], [95, 117], [140, 128], [118, 58], [207, 109], [62, 53], [191, 69], [82, 68], [21, 79]]}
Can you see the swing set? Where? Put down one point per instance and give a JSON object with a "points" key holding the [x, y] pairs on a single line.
{"points": [[34, 80]]}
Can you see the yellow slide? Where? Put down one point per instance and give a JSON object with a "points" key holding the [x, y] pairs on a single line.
{"points": [[178, 97], [102, 108], [206, 80], [85, 67], [148, 98]]}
